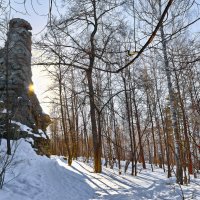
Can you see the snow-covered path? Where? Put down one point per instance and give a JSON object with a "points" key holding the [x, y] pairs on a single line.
{"points": [[34, 177], [147, 185]]}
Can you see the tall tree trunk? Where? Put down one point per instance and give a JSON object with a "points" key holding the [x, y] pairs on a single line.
{"points": [[86, 150], [177, 139], [66, 136], [141, 151], [187, 142], [165, 133], [134, 137], [96, 136], [7, 99], [127, 98]]}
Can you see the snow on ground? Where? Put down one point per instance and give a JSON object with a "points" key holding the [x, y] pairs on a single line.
{"points": [[33, 177]]}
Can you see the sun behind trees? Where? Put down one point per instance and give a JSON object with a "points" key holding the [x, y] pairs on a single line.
{"points": [[147, 112]]}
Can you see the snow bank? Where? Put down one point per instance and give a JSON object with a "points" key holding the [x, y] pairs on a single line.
{"points": [[33, 177]]}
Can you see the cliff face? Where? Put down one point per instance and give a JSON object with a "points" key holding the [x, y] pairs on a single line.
{"points": [[16, 77]]}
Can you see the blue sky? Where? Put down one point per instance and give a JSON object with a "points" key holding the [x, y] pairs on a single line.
{"points": [[37, 15]]}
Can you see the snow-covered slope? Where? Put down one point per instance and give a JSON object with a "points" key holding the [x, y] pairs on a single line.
{"points": [[33, 177]]}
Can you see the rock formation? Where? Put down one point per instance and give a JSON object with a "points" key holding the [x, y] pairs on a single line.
{"points": [[15, 78]]}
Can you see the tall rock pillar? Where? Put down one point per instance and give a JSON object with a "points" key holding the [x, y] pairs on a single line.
{"points": [[15, 59]]}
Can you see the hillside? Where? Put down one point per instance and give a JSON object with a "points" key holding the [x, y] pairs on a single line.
{"points": [[33, 177]]}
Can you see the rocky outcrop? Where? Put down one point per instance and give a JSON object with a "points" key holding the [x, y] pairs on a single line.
{"points": [[16, 78]]}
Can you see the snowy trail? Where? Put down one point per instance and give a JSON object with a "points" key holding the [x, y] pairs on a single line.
{"points": [[36, 177], [109, 185]]}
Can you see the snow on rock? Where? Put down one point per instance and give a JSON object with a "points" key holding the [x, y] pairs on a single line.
{"points": [[30, 130], [33, 177], [41, 132], [23, 127], [4, 111]]}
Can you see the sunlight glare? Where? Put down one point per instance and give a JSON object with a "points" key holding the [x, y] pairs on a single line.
{"points": [[31, 88]]}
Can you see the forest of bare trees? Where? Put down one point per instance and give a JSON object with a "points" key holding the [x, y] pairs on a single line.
{"points": [[125, 83]]}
